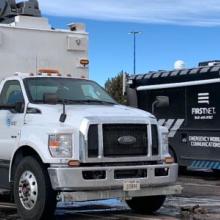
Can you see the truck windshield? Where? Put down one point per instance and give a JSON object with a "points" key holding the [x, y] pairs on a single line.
{"points": [[70, 91]]}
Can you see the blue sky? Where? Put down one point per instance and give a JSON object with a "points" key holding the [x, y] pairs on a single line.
{"points": [[171, 29]]}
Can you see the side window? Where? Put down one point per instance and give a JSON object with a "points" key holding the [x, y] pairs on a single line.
{"points": [[11, 93]]}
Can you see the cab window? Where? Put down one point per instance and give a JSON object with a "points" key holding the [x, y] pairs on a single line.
{"points": [[11, 93]]}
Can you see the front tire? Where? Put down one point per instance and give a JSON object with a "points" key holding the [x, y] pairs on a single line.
{"points": [[146, 205], [33, 194]]}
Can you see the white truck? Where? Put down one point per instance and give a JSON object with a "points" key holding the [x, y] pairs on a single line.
{"points": [[63, 136]]}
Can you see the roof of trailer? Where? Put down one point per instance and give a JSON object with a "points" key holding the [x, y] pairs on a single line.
{"points": [[176, 76]]}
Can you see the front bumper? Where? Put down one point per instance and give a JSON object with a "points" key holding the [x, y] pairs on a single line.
{"points": [[120, 194], [71, 179]]}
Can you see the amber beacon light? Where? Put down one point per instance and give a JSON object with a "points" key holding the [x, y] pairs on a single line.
{"points": [[84, 62]]}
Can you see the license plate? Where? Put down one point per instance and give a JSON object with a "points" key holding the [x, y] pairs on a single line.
{"points": [[132, 185]]}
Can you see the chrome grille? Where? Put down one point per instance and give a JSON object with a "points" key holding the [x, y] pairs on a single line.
{"points": [[113, 132]]}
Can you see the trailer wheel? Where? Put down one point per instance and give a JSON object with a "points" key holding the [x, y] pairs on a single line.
{"points": [[33, 193], [146, 205]]}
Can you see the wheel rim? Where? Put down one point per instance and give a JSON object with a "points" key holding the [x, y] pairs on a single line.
{"points": [[28, 190]]}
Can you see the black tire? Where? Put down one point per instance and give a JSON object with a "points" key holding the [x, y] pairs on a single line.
{"points": [[45, 203], [146, 205], [173, 154], [182, 169]]}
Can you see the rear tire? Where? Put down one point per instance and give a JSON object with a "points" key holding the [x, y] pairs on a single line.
{"points": [[173, 154], [33, 194], [146, 205]]}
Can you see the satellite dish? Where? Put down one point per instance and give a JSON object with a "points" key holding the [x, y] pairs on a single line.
{"points": [[179, 65]]}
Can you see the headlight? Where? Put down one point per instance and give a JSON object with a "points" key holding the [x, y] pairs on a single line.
{"points": [[60, 145], [165, 147]]}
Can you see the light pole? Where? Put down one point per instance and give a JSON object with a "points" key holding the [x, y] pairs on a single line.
{"points": [[134, 33]]}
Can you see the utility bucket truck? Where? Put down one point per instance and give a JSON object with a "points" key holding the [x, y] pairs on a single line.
{"points": [[63, 136]]}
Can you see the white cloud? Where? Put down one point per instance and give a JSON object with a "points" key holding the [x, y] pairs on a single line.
{"points": [[181, 12]]}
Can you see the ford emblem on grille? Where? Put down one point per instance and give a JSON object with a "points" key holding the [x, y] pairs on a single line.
{"points": [[127, 140]]}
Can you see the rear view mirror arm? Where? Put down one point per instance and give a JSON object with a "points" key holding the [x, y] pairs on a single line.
{"points": [[154, 105]]}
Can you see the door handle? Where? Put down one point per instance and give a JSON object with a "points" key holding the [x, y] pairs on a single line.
{"points": [[13, 137]]}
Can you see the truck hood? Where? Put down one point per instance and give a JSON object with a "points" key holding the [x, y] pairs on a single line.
{"points": [[77, 113]]}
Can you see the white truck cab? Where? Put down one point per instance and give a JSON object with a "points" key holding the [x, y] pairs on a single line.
{"points": [[62, 136]]}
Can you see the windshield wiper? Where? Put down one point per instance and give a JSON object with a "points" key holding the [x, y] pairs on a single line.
{"points": [[67, 101], [98, 101]]}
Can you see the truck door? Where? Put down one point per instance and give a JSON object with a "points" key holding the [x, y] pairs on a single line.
{"points": [[10, 120], [203, 122]]}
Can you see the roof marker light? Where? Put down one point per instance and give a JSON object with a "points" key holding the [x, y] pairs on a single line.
{"points": [[49, 71]]}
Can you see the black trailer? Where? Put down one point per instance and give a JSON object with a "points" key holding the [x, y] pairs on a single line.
{"points": [[193, 113]]}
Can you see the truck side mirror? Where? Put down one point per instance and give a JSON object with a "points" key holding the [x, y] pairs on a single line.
{"points": [[132, 97], [50, 98], [161, 101]]}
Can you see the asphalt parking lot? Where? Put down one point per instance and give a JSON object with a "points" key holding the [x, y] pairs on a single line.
{"points": [[200, 200]]}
